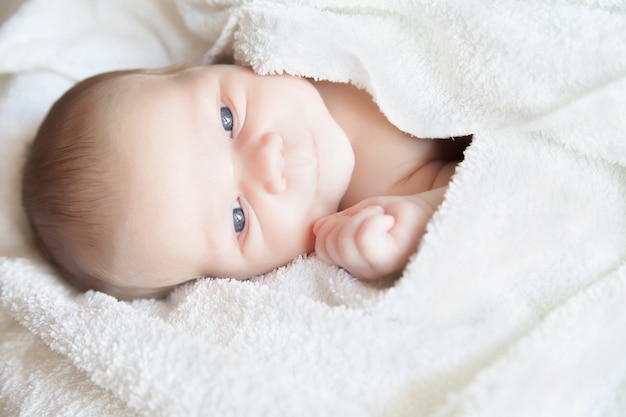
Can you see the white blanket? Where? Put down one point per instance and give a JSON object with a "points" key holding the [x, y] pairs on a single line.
{"points": [[515, 303]]}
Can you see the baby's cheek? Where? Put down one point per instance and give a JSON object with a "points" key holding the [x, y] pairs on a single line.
{"points": [[289, 245], [309, 245]]}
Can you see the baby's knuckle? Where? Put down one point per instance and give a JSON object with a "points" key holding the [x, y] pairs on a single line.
{"points": [[369, 248]]}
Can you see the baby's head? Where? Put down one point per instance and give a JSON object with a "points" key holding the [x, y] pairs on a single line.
{"points": [[138, 181]]}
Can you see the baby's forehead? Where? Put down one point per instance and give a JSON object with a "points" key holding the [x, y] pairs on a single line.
{"points": [[118, 101], [126, 86], [139, 93]]}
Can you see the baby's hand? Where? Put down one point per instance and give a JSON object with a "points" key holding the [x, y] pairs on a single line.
{"points": [[375, 237]]}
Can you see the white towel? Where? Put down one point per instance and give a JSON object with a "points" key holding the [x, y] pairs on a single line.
{"points": [[472, 65], [514, 304]]}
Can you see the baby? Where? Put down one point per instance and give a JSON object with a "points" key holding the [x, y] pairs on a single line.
{"points": [[138, 181]]}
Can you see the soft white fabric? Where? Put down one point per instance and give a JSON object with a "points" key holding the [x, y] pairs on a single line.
{"points": [[514, 304], [472, 65]]}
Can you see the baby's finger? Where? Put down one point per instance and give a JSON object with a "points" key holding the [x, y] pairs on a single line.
{"points": [[410, 225], [325, 231], [376, 245], [340, 240], [335, 239], [345, 245]]}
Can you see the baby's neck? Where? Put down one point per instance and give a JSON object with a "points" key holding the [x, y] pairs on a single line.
{"points": [[387, 160]]}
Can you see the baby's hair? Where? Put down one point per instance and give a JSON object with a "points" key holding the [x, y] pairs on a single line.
{"points": [[64, 191]]}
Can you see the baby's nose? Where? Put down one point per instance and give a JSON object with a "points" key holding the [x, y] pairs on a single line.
{"points": [[269, 163]]}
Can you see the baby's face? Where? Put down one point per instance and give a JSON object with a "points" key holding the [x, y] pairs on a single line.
{"points": [[221, 172]]}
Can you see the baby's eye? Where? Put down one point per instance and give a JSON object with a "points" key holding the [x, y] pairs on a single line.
{"points": [[239, 218], [227, 119]]}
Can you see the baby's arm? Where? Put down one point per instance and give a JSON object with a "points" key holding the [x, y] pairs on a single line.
{"points": [[377, 236]]}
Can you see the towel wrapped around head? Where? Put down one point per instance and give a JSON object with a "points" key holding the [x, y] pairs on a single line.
{"points": [[514, 303]]}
